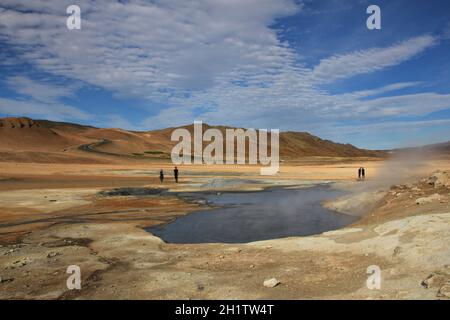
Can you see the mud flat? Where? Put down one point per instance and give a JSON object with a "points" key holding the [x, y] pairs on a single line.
{"points": [[105, 236]]}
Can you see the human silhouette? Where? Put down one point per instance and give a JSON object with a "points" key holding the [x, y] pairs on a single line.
{"points": [[175, 173], [161, 176], [363, 173], [359, 173]]}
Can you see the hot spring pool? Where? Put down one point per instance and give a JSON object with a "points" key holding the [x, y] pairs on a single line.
{"points": [[251, 216]]}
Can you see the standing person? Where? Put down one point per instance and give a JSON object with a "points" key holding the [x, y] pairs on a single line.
{"points": [[161, 176], [363, 173], [175, 173], [359, 173]]}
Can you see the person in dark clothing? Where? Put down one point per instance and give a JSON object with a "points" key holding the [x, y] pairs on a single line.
{"points": [[359, 173], [175, 173], [161, 176], [363, 173]]}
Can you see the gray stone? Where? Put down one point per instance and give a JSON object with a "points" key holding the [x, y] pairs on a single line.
{"points": [[444, 291], [433, 197], [271, 283], [21, 262], [434, 280], [53, 254], [440, 179], [397, 251], [5, 279]]}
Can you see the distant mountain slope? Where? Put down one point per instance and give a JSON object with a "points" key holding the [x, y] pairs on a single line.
{"points": [[59, 140], [300, 144], [28, 134], [295, 144]]}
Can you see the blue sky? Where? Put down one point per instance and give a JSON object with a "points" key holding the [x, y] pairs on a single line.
{"points": [[275, 64]]}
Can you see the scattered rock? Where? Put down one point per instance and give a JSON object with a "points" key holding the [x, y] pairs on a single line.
{"points": [[397, 251], [7, 253], [440, 179], [200, 287], [4, 279], [53, 254], [434, 280], [22, 262], [19, 263], [444, 291], [234, 250], [68, 242], [252, 266], [433, 197], [271, 283]]}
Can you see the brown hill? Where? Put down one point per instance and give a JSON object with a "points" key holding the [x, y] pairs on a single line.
{"points": [[292, 144], [27, 134], [301, 144], [24, 139]]}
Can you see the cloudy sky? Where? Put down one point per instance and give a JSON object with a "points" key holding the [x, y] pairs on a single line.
{"points": [[287, 64]]}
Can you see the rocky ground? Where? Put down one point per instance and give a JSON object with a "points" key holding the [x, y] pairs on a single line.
{"points": [[406, 234]]}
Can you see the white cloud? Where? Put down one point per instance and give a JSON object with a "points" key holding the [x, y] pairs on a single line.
{"points": [[366, 61], [39, 90], [117, 121], [391, 134], [212, 60], [42, 99], [385, 89], [55, 112], [155, 49], [412, 104], [391, 125]]}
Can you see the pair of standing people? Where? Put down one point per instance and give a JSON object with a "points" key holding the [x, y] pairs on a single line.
{"points": [[361, 173], [175, 174]]}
